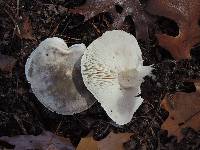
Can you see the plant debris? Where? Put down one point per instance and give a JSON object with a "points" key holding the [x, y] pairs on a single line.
{"points": [[25, 30], [187, 15], [114, 141], [184, 111], [44, 141], [190, 140], [7, 63], [131, 8], [20, 111]]}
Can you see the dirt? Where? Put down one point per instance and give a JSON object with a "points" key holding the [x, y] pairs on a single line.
{"points": [[21, 112]]}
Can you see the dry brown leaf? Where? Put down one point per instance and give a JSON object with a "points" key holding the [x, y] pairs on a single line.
{"points": [[184, 111], [7, 63], [112, 142], [186, 13], [130, 7], [45, 141], [25, 30]]}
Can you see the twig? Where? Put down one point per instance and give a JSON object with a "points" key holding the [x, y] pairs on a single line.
{"points": [[17, 7], [55, 30], [170, 98], [11, 17], [16, 26], [20, 123], [96, 28], [56, 132]]}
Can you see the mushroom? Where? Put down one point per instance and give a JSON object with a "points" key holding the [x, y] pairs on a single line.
{"points": [[49, 71], [112, 70]]}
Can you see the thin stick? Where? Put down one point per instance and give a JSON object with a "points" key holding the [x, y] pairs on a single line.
{"points": [[17, 7]]}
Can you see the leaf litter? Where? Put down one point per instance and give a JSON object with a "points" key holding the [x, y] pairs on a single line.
{"points": [[147, 118]]}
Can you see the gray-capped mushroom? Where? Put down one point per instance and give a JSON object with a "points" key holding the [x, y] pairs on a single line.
{"points": [[112, 70], [49, 71]]}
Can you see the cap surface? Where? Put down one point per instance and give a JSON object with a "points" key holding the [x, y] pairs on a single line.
{"points": [[112, 70], [49, 71]]}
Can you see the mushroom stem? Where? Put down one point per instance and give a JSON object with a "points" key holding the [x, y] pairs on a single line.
{"points": [[132, 77], [127, 78]]}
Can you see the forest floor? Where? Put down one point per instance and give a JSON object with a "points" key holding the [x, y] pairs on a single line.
{"points": [[24, 25]]}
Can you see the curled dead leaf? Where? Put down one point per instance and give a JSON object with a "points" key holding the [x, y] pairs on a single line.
{"points": [[187, 15], [131, 8], [45, 141], [184, 111], [112, 142]]}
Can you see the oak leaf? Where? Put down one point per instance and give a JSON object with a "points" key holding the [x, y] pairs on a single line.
{"points": [[184, 111], [112, 142], [186, 13]]}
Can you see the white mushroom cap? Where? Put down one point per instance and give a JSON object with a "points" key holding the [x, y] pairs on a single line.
{"points": [[49, 71], [112, 70]]}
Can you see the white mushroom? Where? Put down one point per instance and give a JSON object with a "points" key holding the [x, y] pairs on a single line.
{"points": [[112, 70], [49, 71]]}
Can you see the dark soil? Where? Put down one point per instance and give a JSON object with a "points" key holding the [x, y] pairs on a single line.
{"points": [[21, 112]]}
